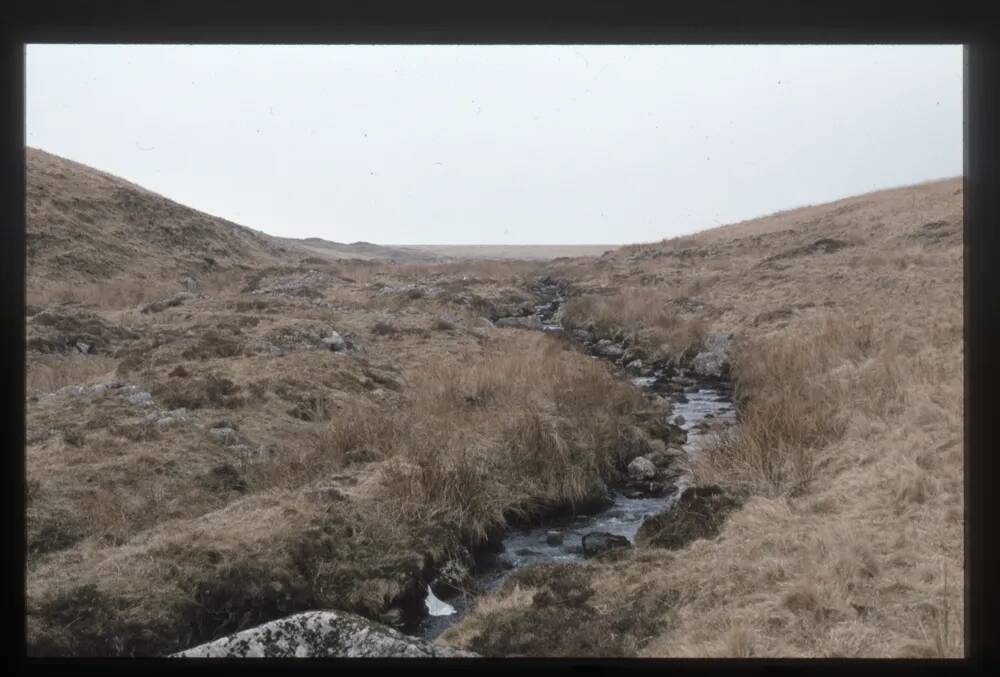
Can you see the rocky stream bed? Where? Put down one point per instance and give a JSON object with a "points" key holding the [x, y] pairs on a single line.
{"points": [[697, 399]]}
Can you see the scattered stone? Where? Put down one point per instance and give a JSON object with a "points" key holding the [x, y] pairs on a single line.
{"points": [[597, 542], [83, 347], [276, 351], [641, 468], [322, 634], [334, 341], [172, 418], [665, 457], [141, 397], [609, 349], [222, 435]]}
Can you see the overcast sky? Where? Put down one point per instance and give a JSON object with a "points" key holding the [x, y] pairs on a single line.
{"points": [[500, 144]]}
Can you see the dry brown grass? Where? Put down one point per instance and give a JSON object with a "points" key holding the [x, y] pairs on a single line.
{"points": [[111, 294], [521, 428], [639, 311], [51, 372], [793, 395], [357, 468]]}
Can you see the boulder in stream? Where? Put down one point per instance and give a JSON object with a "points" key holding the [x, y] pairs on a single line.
{"points": [[597, 542], [713, 361], [321, 634], [641, 468]]}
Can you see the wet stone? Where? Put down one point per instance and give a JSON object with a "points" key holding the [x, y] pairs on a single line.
{"points": [[597, 542]]}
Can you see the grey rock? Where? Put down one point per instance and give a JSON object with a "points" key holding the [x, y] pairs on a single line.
{"points": [[597, 542], [83, 347], [641, 468], [709, 364], [679, 420], [554, 537], [713, 361], [717, 341], [334, 341], [664, 458], [140, 397], [321, 634], [277, 351], [608, 348]]}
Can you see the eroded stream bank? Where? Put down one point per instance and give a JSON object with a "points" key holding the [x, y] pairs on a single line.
{"points": [[693, 404]]}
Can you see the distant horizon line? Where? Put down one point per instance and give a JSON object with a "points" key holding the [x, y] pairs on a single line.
{"points": [[843, 198]]}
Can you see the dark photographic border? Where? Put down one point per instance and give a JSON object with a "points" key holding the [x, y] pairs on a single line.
{"points": [[586, 21]]}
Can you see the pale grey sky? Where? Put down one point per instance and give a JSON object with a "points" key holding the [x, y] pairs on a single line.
{"points": [[500, 144]]}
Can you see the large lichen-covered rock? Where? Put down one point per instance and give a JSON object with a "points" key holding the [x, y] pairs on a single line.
{"points": [[316, 634], [713, 361], [698, 513]]}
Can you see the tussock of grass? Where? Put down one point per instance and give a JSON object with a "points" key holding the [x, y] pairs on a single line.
{"points": [[641, 312], [522, 428], [794, 394], [110, 294], [50, 372]]}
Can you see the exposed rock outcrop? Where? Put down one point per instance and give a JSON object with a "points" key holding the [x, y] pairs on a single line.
{"points": [[321, 634]]}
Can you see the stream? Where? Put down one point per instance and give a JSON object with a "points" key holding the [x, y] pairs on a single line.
{"points": [[559, 539]]}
